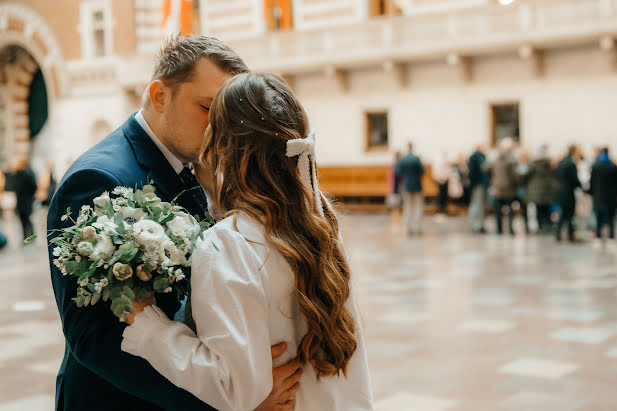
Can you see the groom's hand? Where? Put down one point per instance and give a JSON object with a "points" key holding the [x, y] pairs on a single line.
{"points": [[286, 382]]}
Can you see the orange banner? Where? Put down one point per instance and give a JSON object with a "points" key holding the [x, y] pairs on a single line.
{"points": [[186, 16]]}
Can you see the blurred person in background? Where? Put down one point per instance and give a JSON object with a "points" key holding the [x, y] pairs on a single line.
{"points": [[441, 174], [24, 184], [504, 182], [522, 168], [566, 174], [603, 188], [458, 182], [410, 170], [51, 184], [540, 188], [3, 240], [393, 200], [584, 201], [478, 182]]}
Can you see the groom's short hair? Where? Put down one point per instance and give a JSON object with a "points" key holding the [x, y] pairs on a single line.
{"points": [[179, 54]]}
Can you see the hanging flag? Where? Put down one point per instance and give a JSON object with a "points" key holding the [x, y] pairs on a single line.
{"points": [[177, 16], [165, 12], [186, 16]]}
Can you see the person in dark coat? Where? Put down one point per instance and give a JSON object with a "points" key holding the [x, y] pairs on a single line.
{"points": [[24, 183], [478, 182], [3, 240], [566, 174], [603, 188], [540, 188], [410, 170]]}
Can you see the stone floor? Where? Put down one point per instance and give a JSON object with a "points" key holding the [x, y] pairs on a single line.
{"points": [[453, 322]]}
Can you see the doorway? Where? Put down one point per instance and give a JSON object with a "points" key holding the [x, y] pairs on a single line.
{"points": [[505, 122]]}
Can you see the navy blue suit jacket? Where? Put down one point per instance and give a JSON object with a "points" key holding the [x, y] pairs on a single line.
{"points": [[95, 373]]}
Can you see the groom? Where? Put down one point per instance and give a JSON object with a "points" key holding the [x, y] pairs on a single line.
{"points": [[157, 144]]}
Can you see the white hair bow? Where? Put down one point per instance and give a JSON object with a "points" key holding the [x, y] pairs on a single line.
{"points": [[304, 148]]}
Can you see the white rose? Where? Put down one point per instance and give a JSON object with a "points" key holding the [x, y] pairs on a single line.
{"points": [[57, 251], [104, 248], [182, 225], [148, 232], [102, 201]]}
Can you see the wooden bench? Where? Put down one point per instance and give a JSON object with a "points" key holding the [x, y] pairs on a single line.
{"points": [[365, 188]]}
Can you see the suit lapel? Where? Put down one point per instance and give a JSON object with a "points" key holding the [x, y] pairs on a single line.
{"points": [[168, 184]]}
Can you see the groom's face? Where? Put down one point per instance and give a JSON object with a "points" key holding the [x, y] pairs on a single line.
{"points": [[186, 116]]}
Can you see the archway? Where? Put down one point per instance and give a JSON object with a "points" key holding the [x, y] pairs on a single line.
{"points": [[31, 78]]}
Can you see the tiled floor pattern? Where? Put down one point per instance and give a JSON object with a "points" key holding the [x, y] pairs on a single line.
{"points": [[453, 322]]}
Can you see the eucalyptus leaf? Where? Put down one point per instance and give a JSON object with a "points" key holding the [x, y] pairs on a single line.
{"points": [[160, 283], [95, 298], [70, 266], [115, 293]]}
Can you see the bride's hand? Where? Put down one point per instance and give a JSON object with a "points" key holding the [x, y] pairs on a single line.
{"points": [[138, 307]]}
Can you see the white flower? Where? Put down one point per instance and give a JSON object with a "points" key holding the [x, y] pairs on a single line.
{"points": [[104, 248], [98, 287], [175, 255], [182, 225], [64, 217], [134, 213], [119, 203], [85, 248], [106, 224], [57, 251], [102, 201], [123, 191], [148, 232], [88, 233], [167, 290], [179, 275], [86, 208]]}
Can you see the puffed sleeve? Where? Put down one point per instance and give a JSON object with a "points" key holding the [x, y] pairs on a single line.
{"points": [[228, 363]]}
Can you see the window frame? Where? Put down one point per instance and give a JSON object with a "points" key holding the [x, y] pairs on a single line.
{"points": [[88, 26], [368, 146]]}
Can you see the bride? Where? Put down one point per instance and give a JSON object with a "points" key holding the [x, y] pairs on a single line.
{"points": [[272, 269]]}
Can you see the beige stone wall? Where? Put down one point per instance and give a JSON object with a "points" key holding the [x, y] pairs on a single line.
{"points": [[63, 18], [125, 38]]}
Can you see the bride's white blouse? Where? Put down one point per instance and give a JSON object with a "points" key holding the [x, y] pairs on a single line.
{"points": [[243, 302]]}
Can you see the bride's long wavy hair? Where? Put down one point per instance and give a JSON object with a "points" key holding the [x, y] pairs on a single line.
{"points": [[251, 120]]}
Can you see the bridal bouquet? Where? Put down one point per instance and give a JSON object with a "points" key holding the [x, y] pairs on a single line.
{"points": [[127, 247]]}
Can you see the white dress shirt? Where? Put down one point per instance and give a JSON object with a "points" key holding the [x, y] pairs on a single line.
{"points": [[243, 301], [174, 161]]}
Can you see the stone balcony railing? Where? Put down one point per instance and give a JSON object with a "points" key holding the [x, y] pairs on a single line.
{"points": [[489, 29], [525, 26]]}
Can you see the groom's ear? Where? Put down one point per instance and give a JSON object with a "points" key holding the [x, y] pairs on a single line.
{"points": [[158, 93]]}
